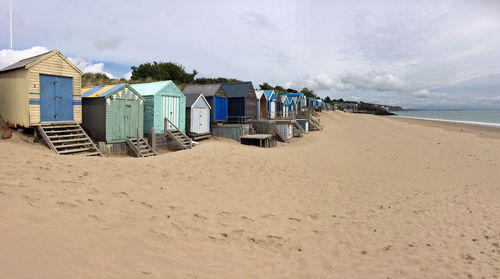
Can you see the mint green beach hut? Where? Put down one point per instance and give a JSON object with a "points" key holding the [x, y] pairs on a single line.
{"points": [[162, 100]]}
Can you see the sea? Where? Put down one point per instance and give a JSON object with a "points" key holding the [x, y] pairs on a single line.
{"points": [[476, 117]]}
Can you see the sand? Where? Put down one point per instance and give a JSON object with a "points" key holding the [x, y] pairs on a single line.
{"points": [[368, 197]]}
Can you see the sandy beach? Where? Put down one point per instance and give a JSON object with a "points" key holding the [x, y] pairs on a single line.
{"points": [[367, 197]]}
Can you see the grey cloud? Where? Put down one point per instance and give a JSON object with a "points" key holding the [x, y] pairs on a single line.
{"points": [[258, 21], [110, 43]]}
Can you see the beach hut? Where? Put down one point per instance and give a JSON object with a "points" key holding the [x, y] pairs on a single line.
{"points": [[271, 103], [113, 113], [216, 97], [300, 100], [242, 101], [261, 105], [285, 106], [197, 116], [43, 89]]}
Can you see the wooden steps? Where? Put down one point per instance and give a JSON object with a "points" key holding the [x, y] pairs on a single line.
{"points": [[314, 124], [180, 138], [280, 136], [141, 148], [298, 131], [68, 138]]}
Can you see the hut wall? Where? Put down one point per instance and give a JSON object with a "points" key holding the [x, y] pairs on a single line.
{"points": [[149, 111], [169, 90], [232, 131], [263, 108], [14, 98], [250, 105], [118, 130], [199, 118], [264, 126], [219, 107], [236, 110], [57, 66], [94, 115], [285, 129]]}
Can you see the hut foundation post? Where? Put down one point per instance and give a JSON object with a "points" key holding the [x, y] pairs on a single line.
{"points": [[137, 142], [153, 138]]}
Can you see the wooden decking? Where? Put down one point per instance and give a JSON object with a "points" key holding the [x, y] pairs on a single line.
{"points": [[261, 140]]}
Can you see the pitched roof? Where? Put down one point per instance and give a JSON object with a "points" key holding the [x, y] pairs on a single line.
{"points": [[191, 99], [100, 91], [151, 88], [270, 95], [31, 61], [259, 94], [207, 90], [237, 89]]}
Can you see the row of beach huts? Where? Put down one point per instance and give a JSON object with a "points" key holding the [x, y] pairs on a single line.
{"points": [[44, 92]]}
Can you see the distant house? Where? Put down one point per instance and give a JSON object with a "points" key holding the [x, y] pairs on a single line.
{"points": [[43, 89], [242, 101], [216, 97], [113, 113], [197, 115]]}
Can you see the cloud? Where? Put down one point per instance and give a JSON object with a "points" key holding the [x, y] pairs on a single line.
{"points": [[89, 67], [111, 43], [8, 57], [257, 21], [424, 93], [384, 82], [127, 76], [349, 81]]}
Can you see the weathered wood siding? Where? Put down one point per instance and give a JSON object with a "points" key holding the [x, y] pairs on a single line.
{"points": [[169, 90], [14, 100], [57, 66], [251, 104], [149, 112], [114, 114]]}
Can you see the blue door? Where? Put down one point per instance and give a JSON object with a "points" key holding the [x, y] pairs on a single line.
{"points": [[220, 108], [56, 98]]}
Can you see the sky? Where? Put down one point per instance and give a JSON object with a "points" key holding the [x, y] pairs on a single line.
{"points": [[415, 54]]}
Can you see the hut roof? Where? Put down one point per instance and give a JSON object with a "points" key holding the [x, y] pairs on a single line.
{"points": [[151, 88], [259, 94], [105, 91], [237, 89], [284, 100], [191, 99], [207, 90], [31, 61], [270, 95]]}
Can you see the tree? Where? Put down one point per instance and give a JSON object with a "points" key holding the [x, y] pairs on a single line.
{"points": [[93, 79], [328, 100], [266, 86], [279, 88], [214, 80], [308, 92], [162, 71], [290, 90]]}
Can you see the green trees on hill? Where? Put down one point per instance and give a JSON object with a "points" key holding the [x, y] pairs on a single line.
{"points": [[93, 79], [214, 80], [162, 71]]}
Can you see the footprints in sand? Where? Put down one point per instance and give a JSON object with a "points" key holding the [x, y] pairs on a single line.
{"points": [[66, 205]]}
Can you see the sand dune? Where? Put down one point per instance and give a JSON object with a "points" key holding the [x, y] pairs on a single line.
{"points": [[368, 197]]}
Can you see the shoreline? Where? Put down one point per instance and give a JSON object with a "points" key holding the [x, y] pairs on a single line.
{"points": [[487, 131], [489, 124]]}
